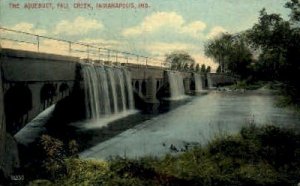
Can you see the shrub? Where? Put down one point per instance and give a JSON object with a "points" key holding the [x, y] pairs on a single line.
{"points": [[54, 154], [258, 156], [50, 162], [85, 172]]}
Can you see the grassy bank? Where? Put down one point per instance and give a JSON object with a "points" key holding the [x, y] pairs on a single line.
{"points": [[256, 156]]}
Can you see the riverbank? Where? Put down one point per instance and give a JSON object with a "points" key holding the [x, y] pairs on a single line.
{"points": [[266, 155]]}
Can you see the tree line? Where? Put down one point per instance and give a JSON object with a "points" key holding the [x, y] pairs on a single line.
{"points": [[269, 50], [182, 61]]}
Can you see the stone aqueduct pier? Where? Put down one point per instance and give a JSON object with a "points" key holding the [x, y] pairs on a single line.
{"points": [[31, 81]]}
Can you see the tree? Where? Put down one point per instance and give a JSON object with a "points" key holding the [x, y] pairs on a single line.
{"points": [[232, 53], [277, 41], [197, 67], [294, 5], [218, 69], [273, 37], [192, 67], [208, 69], [179, 59], [203, 68], [239, 59], [186, 67], [218, 48]]}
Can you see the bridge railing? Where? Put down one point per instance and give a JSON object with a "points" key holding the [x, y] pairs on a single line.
{"points": [[21, 40]]}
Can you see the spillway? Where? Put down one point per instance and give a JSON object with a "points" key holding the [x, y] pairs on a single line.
{"points": [[108, 91]]}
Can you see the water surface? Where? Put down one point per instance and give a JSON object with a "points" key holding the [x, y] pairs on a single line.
{"points": [[194, 122]]}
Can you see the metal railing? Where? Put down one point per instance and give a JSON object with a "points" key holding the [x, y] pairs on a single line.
{"points": [[90, 53]]}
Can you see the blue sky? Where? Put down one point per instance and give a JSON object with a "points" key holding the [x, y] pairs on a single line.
{"points": [[165, 26]]}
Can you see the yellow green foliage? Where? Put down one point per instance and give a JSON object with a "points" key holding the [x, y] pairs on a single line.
{"points": [[84, 172], [261, 156]]}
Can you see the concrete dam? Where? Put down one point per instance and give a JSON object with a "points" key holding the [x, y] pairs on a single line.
{"points": [[31, 82]]}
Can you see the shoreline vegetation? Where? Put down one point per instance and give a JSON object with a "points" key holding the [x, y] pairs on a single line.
{"points": [[266, 155]]}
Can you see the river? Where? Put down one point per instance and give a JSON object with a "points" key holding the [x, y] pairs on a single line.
{"points": [[196, 122]]}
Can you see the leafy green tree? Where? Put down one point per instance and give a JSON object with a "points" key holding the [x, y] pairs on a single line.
{"points": [[294, 5], [278, 46], [218, 48], [239, 58], [273, 37], [232, 52]]}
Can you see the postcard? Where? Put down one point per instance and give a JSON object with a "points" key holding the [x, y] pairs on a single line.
{"points": [[149, 92]]}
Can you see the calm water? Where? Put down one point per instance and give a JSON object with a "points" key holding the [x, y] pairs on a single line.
{"points": [[197, 121]]}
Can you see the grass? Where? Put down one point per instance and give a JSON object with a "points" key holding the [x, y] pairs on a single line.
{"points": [[255, 156]]}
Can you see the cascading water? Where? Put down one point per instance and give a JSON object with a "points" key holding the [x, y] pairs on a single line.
{"points": [[129, 89], [108, 91], [120, 75], [91, 92], [209, 81], [176, 85], [198, 83], [105, 107], [113, 89]]}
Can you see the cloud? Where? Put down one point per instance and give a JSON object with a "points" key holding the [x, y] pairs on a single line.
{"points": [[154, 22], [28, 27], [157, 21], [79, 25], [160, 48], [215, 31], [194, 28]]}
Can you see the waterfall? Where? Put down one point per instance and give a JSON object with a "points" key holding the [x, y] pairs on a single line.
{"points": [[198, 83], [113, 89], [108, 91], [105, 107], [209, 81], [176, 84], [129, 89], [91, 92], [122, 88]]}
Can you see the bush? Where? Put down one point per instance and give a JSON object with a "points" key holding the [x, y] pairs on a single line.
{"points": [[256, 156], [54, 155], [85, 172]]}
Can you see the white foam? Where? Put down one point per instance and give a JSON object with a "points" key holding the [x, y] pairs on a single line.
{"points": [[103, 121]]}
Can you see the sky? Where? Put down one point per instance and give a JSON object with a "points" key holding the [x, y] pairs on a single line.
{"points": [[155, 31]]}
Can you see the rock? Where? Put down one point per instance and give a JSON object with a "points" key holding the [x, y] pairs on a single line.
{"points": [[173, 148]]}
